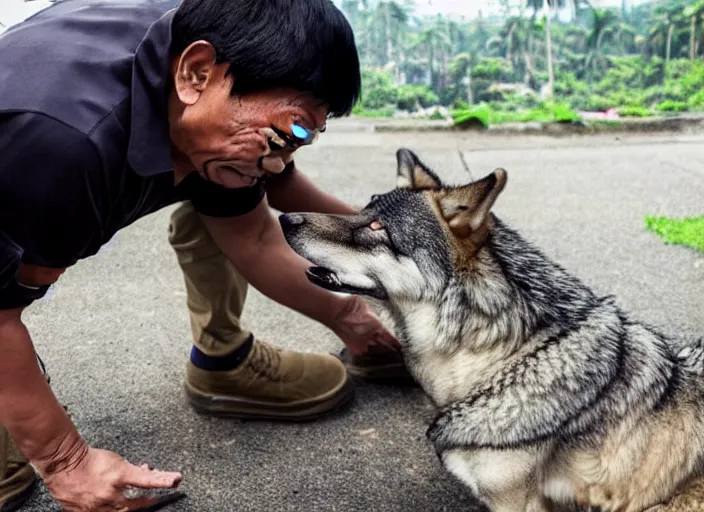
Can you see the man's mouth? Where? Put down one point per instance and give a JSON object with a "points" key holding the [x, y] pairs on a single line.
{"points": [[329, 280], [246, 177]]}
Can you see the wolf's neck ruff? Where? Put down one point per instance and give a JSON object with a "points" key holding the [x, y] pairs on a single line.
{"points": [[524, 351]]}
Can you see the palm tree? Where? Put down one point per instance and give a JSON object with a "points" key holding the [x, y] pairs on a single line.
{"points": [[461, 72], [694, 13], [433, 42], [666, 19], [547, 7]]}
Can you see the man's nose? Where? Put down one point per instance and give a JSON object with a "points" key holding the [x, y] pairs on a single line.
{"points": [[290, 221]]}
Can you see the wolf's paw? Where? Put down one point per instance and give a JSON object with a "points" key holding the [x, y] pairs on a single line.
{"points": [[689, 499]]}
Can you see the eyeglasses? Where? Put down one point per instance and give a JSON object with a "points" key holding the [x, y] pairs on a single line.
{"points": [[300, 136]]}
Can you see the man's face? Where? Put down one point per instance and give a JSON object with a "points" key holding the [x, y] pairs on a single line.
{"points": [[220, 135]]}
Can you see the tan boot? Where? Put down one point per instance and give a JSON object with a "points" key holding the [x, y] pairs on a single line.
{"points": [[17, 476], [377, 366], [271, 384]]}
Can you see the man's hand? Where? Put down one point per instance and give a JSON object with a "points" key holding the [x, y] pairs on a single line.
{"points": [[97, 481], [360, 329], [79, 477]]}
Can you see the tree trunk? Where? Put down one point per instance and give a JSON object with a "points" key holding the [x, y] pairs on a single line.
{"points": [[548, 44], [509, 44], [692, 31], [431, 62], [668, 48], [389, 49]]}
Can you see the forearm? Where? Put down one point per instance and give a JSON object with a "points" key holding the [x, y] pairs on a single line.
{"points": [[28, 409], [293, 191], [270, 265]]}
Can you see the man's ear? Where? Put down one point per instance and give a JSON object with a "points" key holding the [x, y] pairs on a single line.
{"points": [[411, 173], [193, 69], [466, 209]]}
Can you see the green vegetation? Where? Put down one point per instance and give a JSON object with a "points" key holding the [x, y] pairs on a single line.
{"points": [[484, 115], [540, 60], [688, 231], [635, 111]]}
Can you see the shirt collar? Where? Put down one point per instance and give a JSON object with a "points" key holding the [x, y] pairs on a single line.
{"points": [[149, 148]]}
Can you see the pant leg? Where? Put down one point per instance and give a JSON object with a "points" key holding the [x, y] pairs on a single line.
{"points": [[215, 289]]}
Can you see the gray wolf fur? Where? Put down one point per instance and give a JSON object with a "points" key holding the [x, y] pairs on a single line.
{"points": [[549, 396]]}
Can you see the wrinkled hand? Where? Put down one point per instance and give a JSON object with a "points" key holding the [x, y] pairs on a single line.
{"points": [[98, 480], [360, 329]]}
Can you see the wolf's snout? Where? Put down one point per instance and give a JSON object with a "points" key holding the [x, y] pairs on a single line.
{"points": [[291, 220]]}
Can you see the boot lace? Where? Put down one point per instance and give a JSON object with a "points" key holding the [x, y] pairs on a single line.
{"points": [[265, 360]]}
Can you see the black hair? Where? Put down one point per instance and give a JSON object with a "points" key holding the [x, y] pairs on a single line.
{"points": [[307, 45]]}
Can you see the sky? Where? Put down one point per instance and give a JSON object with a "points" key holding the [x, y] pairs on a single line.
{"points": [[470, 8], [13, 11]]}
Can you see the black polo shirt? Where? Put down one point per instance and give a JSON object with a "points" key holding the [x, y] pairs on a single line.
{"points": [[84, 141]]}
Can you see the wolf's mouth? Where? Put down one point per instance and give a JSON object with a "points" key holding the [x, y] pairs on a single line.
{"points": [[328, 279]]}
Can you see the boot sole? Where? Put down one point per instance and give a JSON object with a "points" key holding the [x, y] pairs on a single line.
{"points": [[392, 373], [18, 500], [252, 410]]}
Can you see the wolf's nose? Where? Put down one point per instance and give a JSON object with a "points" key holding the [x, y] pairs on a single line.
{"points": [[291, 220]]}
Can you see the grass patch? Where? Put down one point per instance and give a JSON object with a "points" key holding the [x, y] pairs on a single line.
{"points": [[672, 106], [564, 114], [483, 115], [473, 117], [688, 231], [383, 112], [634, 111]]}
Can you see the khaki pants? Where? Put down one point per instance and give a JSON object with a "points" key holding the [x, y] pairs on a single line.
{"points": [[215, 290]]}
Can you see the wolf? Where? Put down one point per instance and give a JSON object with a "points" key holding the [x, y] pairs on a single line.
{"points": [[548, 396]]}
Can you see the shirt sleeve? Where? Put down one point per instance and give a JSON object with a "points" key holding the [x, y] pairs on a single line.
{"points": [[47, 212], [214, 200]]}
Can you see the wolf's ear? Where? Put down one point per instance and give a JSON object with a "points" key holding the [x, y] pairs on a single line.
{"points": [[411, 173], [466, 209]]}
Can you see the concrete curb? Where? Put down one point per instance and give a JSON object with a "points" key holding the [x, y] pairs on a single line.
{"points": [[683, 123]]}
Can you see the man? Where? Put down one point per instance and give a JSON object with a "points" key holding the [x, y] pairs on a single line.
{"points": [[110, 111]]}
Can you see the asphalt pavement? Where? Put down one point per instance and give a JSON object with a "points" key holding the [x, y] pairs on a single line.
{"points": [[115, 334]]}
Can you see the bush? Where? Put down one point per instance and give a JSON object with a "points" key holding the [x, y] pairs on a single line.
{"points": [[696, 101], [634, 111], [672, 106], [410, 96], [692, 81], [484, 115], [597, 103], [472, 118], [564, 114], [378, 90], [485, 73], [460, 104], [660, 94], [387, 111], [566, 84]]}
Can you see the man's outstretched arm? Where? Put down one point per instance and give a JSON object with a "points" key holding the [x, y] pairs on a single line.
{"points": [[256, 246]]}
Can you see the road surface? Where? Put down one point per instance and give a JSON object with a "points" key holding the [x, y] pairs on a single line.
{"points": [[115, 334]]}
